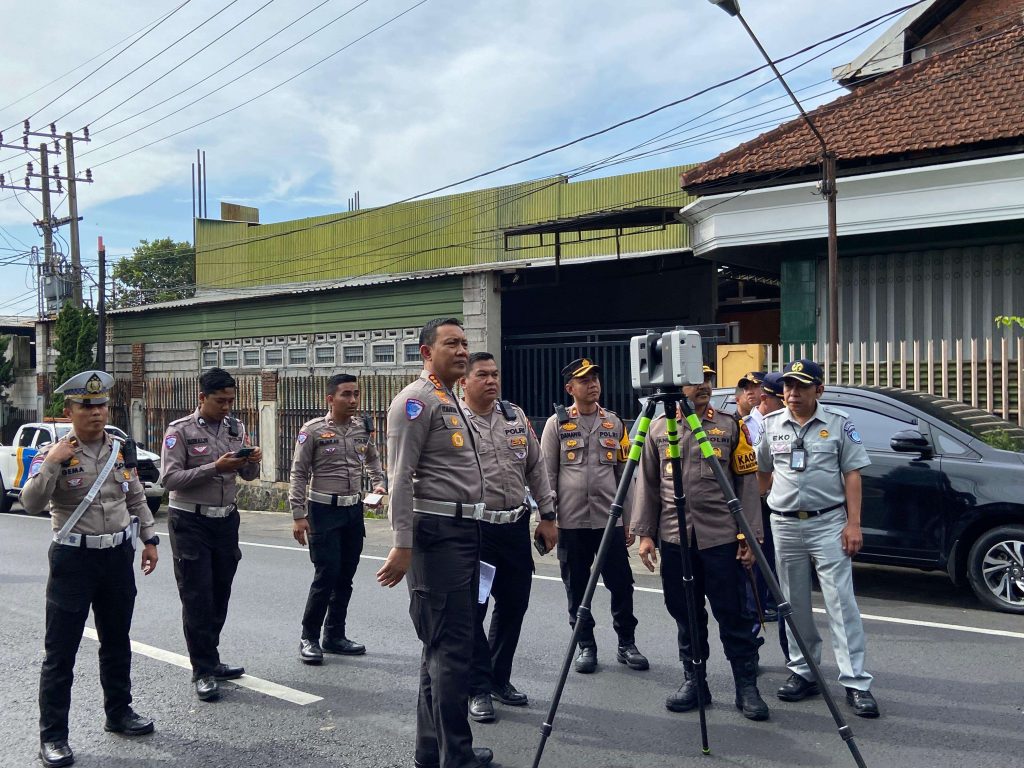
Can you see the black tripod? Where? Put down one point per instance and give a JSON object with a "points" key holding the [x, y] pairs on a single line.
{"points": [[671, 397]]}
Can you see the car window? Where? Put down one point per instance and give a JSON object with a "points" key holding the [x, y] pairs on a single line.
{"points": [[876, 429], [949, 446], [26, 437]]}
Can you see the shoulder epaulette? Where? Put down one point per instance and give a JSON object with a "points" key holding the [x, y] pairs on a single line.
{"points": [[837, 411], [180, 421]]}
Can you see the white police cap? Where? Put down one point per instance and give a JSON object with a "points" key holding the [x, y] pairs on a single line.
{"points": [[89, 387]]}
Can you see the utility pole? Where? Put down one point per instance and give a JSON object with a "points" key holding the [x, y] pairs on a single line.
{"points": [[44, 160], [101, 307], [76, 256]]}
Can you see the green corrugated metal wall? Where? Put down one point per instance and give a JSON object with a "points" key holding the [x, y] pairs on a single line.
{"points": [[438, 233], [392, 305]]}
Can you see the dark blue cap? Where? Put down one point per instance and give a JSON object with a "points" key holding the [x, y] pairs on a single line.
{"points": [[772, 383], [804, 371]]}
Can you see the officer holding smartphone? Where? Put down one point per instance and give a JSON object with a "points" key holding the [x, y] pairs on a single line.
{"points": [[202, 456], [511, 460]]}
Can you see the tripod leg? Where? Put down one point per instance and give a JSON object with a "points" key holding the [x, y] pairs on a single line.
{"points": [[784, 608], [696, 654], [583, 614]]}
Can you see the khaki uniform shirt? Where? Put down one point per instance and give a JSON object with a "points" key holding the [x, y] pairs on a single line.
{"points": [[833, 447], [654, 512], [511, 458], [584, 466], [191, 447], [431, 453], [335, 454], [63, 486]]}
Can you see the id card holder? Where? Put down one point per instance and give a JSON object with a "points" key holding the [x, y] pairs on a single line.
{"points": [[798, 460]]}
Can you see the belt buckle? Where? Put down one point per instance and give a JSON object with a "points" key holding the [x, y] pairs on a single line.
{"points": [[106, 540], [803, 515], [505, 516]]}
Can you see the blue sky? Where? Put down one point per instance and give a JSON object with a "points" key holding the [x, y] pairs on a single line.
{"points": [[449, 89]]}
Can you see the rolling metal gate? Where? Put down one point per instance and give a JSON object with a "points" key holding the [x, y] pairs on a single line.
{"points": [[532, 363]]}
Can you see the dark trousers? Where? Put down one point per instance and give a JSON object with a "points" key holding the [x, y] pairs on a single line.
{"points": [[767, 599], [335, 543], [577, 548], [102, 579], [507, 548], [206, 557], [718, 576], [443, 582]]}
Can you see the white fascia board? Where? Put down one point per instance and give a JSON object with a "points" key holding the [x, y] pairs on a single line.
{"points": [[968, 192]]}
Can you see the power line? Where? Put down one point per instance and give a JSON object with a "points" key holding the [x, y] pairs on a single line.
{"points": [[101, 66], [221, 69], [156, 55]]}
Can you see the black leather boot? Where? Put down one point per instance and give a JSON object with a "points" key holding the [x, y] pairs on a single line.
{"points": [[748, 698], [685, 699]]}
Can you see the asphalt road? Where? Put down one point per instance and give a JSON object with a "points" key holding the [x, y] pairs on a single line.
{"points": [[950, 695]]}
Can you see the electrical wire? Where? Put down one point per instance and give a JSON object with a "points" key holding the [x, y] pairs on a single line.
{"points": [[68, 90]]}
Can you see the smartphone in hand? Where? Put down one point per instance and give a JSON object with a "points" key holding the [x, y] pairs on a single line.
{"points": [[540, 546], [244, 453]]}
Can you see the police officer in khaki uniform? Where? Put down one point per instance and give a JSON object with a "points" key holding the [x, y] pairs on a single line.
{"points": [[718, 556], [331, 454], [584, 449], [437, 492], [97, 509], [510, 454], [202, 455], [811, 456]]}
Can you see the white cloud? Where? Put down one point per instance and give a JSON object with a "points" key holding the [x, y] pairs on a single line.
{"points": [[451, 89]]}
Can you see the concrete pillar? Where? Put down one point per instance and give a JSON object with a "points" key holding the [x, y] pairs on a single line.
{"points": [[268, 426], [42, 367], [481, 311]]}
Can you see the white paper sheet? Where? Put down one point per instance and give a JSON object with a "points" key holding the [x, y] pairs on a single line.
{"points": [[486, 580]]}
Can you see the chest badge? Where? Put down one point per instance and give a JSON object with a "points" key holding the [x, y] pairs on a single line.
{"points": [[330, 449], [569, 426], [453, 420], [73, 461], [571, 443], [570, 456], [823, 434], [610, 455], [442, 396], [716, 431], [607, 425], [458, 440], [74, 482], [609, 442], [326, 435]]}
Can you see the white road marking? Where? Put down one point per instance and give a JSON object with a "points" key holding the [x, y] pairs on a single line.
{"points": [[245, 681], [866, 616]]}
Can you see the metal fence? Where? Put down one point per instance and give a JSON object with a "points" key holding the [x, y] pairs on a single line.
{"points": [[12, 419], [982, 374], [167, 399], [300, 399]]}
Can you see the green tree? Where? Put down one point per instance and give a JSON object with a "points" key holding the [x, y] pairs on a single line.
{"points": [[75, 330], [1008, 321], [6, 370], [162, 270]]}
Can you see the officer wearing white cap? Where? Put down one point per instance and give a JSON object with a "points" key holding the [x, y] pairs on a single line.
{"points": [[97, 509], [811, 456], [584, 449]]}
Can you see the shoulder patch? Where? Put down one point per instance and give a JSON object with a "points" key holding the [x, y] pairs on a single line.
{"points": [[851, 433], [171, 440], [413, 408], [302, 438], [36, 465]]}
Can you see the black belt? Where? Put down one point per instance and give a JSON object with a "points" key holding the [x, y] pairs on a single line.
{"points": [[803, 515]]}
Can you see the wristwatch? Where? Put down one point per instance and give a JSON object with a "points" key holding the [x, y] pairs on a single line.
{"points": [[154, 540], [547, 516]]}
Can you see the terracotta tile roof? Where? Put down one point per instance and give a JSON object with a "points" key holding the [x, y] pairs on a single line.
{"points": [[971, 96]]}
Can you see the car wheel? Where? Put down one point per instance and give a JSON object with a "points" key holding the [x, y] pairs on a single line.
{"points": [[995, 568], [154, 503]]}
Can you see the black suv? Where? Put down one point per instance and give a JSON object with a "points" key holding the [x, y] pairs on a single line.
{"points": [[945, 488]]}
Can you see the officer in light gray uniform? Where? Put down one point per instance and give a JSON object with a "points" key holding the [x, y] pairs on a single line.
{"points": [[331, 453], [811, 455], [437, 493], [584, 449], [203, 455], [90, 561], [511, 458]]}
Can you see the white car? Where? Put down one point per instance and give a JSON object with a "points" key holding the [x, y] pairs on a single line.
{"points": [[15, 460]]}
